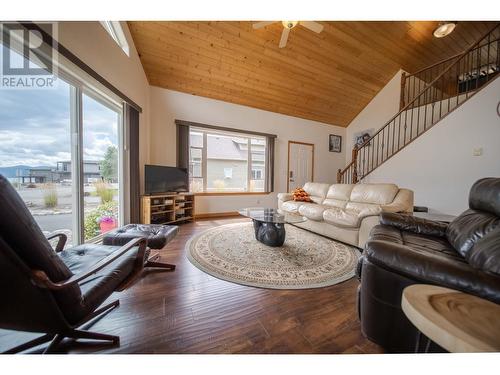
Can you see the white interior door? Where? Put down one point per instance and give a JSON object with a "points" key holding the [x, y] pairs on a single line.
{"points": [[300, 164]]}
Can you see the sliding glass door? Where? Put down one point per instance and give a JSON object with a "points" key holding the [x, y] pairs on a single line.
{"points": [[101, 166], [61, 148], [35, 152]]}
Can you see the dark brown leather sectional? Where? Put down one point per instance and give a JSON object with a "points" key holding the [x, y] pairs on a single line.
{"points": [[405, 250]]}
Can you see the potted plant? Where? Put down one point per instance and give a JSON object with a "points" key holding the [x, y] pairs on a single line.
{"points": [[107, 223]]}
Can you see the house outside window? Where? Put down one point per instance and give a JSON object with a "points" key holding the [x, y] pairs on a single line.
{"points": [[221, 161], [257, 174]]}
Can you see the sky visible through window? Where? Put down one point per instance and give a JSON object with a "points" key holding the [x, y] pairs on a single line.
{"points": [[35, 126]]}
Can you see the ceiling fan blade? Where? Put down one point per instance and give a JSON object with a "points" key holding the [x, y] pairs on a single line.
{"points": [[260, 25], [313, 26], [284, 37]]}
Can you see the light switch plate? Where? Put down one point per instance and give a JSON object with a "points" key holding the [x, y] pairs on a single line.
{"points": [[477, 151]]}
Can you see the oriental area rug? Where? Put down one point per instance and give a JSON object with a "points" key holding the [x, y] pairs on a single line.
{"points": [[306, 260]]}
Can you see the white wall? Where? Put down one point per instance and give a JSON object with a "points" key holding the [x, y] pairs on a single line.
{"points": [[94, 46], [439, 165], [167, 105], [382, 107]]}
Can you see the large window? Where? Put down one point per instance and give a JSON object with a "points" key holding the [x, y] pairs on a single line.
{"points": [[221, 161], [60, 149]]}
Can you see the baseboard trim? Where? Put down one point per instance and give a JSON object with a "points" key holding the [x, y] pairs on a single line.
{"points": [[211, 215]]}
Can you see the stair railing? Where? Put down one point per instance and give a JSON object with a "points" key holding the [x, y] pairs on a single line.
{"points": [[414, 83], [456, 83]]}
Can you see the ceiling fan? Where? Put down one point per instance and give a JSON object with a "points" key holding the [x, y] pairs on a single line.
{"points": [[289, 25]]}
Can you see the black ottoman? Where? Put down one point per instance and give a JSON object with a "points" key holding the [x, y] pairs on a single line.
{"points": [[157, 236]]}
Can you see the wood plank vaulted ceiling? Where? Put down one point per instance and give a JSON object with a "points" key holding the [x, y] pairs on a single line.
{"points": [[328, 77]]}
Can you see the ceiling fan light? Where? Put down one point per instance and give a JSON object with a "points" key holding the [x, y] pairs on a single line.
{"points": [[444, 29], [289, 24]]}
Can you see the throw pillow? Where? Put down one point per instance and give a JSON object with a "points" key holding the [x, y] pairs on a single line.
{"points": [[300, 195]]}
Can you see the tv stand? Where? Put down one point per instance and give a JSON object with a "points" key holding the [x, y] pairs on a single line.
{"points": [[167, 208]]}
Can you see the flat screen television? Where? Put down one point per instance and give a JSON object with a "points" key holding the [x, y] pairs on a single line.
{"points": [[160, 179]]}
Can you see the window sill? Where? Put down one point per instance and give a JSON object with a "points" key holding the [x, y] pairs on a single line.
{"points": [[214, 194]]}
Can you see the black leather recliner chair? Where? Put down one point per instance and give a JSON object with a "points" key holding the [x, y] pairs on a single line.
{"points": [[55, 292], [404, 250]]}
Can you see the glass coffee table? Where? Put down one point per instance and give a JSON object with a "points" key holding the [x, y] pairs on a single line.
{"points": [[269, 224]]}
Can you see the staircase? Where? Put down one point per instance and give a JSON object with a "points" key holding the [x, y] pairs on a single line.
{"points": [[427, 96]]}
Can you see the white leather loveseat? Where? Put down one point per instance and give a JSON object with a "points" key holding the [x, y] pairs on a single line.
{"points": [[346, 212]]}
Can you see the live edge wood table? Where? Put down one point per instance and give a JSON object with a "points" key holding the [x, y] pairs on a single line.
{"points": [[456, 321]]}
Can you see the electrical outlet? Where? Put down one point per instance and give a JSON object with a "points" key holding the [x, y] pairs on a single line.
{"points": [[477, 151]]}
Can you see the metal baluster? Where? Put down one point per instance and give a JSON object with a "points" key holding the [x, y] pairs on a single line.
{"points": [[367, 160], [405, 125], [469, 69], [372, 142], [388, 141], [407, 90], [408, 84], [380, 155], [383, 145], [459, 66], [380, 147], [393, 133], [433, 103], [498, 54], [369, 166], [441, 101], [418, 113], [451, 88], [412, 107], [363, 168], [464, 82], [419, 84], [399, 130], [389, 138], [488, 60], [478, 69], [411, 121], [427, 88], [388, 150], [425, 106]]}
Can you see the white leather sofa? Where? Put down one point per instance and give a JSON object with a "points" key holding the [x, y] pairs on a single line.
{"points": [[346, 212]]}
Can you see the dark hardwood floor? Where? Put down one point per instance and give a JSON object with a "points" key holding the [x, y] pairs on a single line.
{"points": [[188, 311]]}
